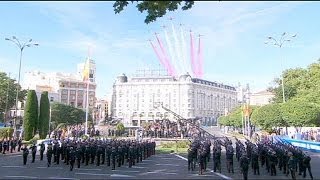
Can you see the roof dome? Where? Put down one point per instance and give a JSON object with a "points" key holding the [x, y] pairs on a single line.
{"points": [[122, 78], [185, 77]]}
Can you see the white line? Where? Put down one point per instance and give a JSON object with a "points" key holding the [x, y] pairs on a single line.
{"points": [[27, 177], [120, 175], [49, 167], [218, 174], [138, 167], [15, 155], [60, 178], [89, 169], [13, 166], [169, 173], [167, 165], [92, 174], [126, 171]]}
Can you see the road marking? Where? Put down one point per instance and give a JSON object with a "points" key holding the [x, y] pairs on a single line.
{"points": [[89, 169], [169, 173], [218, 174], [49, 167], [15, 155], [93, 174], [62, 178], [13, 166], [138, 167], [167, 165], [127, 171], [26, 177], [120, 175]]}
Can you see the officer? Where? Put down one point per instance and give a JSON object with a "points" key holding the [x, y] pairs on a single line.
{"points": [[217, 157], [34, 151], [273, 162], [292, 165], [229, 157], [201, 159], [99, 153], [190, 154], [49, 154], [120, 155], [130, 156], [87, 154], [25, 154], [306, 165], [255, 161], [5, 146], [103, 151], [42, 149], [108, 152], [93, 150], [72, 157], [113, 157], [78, 155], [19, 144], [244, 165], [83, 149]]}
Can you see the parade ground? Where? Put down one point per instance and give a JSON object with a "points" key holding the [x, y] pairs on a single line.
{"points": [[159, 166]]}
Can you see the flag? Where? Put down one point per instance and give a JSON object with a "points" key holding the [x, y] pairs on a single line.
{"points": [[86, 71]]}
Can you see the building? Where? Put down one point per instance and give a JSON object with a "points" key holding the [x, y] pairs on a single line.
{"points": [[101, 112], [261, 98], [139, 99], [65, 88]]}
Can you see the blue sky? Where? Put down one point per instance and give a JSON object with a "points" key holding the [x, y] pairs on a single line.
{"points": [[233, 41]]}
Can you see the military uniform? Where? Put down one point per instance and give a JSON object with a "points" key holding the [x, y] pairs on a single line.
{"points": [[42, 149], [78, 156], [72, 157], [244, 164], [306, 164], [25, 154], [34, 151], [229, 156], [49, 154], [113, 158]]}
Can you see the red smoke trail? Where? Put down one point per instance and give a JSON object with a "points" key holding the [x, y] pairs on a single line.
{"points": [[200, 60], [159, 56], [166, 59], [193, 65]]}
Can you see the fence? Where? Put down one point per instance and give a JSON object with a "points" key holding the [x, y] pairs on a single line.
{"points": [[306, 145]]}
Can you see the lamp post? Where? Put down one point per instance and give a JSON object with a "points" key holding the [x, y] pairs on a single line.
{"points": [[21, 47], [279, 43]]}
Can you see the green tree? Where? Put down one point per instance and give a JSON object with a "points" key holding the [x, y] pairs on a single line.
{"points": [[268, 116], [9, 86], [300, 113], [155, 9], [120, 128], [30, 115], [61, 113], [44, 115]]}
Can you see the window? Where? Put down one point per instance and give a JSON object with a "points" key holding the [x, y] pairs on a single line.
{"points": [[51, 99]]}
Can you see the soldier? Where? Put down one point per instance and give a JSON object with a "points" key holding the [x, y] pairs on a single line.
{"points": [[217, 157], [292, 165], [306, 165], [49, 154], [273, 162], [5, 146], [87, 154], [130, 156], [72, 157], [42, 149], [103, 153], [255, 161], [78, 155], [244, 164], [13, 144], [190, 158], [201, 159], [25, 154], [99, 153], [119, 155], [83, 149], [19, 144], [108, 151], [113, 157], [1, 146], [93, 151], [34, 151], [229, 156]]}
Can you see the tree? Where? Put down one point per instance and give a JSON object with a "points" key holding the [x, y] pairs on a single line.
{"points": [[9, 86], [30, 115], [155, 9], [44, 115], [120, 128], [268, 116], [300, 113], [61, 113]]}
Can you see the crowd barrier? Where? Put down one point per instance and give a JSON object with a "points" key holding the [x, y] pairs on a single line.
{"points": [[306, 145]]}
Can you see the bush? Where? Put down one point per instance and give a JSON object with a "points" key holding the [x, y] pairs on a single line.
{"points": [[179, 144], [6, 132]]}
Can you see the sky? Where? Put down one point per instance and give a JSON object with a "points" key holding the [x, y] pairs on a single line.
{"points": [[233, 38]]}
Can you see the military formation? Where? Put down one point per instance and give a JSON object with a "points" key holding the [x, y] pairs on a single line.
{"points": [[10, 145], [275, 157], [114, 153]]}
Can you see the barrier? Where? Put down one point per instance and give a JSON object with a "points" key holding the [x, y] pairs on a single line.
{"points": [[306, 145]]}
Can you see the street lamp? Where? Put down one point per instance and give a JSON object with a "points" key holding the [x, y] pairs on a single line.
{"points": [[21, 47], [279, 43]]}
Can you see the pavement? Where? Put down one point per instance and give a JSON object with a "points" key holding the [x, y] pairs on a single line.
{"points": [[159, 166]]}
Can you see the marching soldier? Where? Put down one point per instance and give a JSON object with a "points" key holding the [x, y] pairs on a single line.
{"points": [[87, 154], [25, 154], [42, 149], [34, 151], [292, 166], [255, 161], [49, 154], [273, 162], [5, 146], [78, 156], [217, 157], [99, 153], [244, 164], [306, 165], [229, 156], [113, 158], [130, 156], [72, 157], [108, 151], [19, 144]]}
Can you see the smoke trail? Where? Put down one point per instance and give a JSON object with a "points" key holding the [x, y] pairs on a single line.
{"points": [[200, 59], [179, 62], [184, 51], [193, 67], [165, 56], [170, 50], [159, 56]]}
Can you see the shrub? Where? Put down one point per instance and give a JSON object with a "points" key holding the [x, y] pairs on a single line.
{"points": [[6, 132]]}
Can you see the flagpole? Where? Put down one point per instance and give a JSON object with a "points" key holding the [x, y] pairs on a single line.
{"points": [[87, 107]]}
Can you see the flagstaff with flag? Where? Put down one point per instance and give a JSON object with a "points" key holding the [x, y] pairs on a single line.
{"points": [[86, 78]]}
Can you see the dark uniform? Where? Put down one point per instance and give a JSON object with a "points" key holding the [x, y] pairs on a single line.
{"points": [[292, 165], [78, 156], [87, 154], [72, 157], [244, 164], [113, 158], [306, 165], [34, 151], [217, 158], [42, 149], [229, 155], [25, 154], [49, 154]]}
